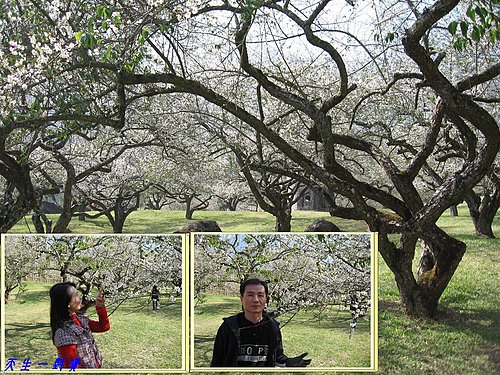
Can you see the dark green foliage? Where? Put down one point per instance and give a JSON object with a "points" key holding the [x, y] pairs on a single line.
{"points": [[481, 21]]}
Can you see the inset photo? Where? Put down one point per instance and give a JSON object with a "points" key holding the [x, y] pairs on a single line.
{"points": [[106, 302], [297, 302]]}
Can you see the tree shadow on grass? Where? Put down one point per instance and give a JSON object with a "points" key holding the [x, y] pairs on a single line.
{"points": [[457, 320], [203, 348], [25, 338], [450, 323], [87, 225], [221, 309], [473, 322], [30, 296]]}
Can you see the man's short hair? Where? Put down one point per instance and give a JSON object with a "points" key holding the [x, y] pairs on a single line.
{"points": [[244, 284]]}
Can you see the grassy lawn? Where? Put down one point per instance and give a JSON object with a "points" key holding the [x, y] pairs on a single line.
{"points": [[169, 221], [138, 338], [324, 337], [463, 339], [465, 336]]}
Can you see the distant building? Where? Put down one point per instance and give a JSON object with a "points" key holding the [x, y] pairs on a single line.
{"points": [[51, 204], [311, 200]]}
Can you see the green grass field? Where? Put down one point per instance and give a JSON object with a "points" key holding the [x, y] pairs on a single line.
{"points": [[463, 339], [324, 337], [138, 338], [465, 336], [169, 221]]}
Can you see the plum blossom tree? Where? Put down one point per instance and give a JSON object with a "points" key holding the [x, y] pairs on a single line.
{"points": [[302, 270], [126, 266], [231, 189], [69, 170], [57, 80], [321, 104], [308, 59], [257, 161], [20, 262], [185, 180], [116, 194]]}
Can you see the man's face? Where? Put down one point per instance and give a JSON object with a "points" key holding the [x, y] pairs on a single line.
{"points": [[254, 298]]}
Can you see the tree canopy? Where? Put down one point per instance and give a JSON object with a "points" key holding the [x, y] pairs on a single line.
{"points": [[125, 266], [359, 100], [302, 271]]}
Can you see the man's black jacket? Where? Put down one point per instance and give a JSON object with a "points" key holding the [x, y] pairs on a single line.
{"points": [[226, 346]]}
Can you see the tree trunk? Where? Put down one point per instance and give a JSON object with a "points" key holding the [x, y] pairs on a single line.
{"points": [[399, 261], [439, 260], [487, 213], [63, 222], [232, 204], [39, 226], [120, 217], [35, 219], [483, 212], [13, 207], [118, 226], [189, 214], [11, 214], [189, 211], [453, 211], [122, 209], [64, 273], [283, 221], [81, 216]]}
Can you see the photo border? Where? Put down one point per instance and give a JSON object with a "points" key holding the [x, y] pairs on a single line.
{"points": [[373, 311], [184, 313]]}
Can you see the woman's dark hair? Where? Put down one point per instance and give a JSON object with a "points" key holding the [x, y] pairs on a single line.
{"points": [[60, 297], [244, 284]]}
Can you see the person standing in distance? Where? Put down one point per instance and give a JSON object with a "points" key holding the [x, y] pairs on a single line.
{"points": [[252, 338], [155, 298]]}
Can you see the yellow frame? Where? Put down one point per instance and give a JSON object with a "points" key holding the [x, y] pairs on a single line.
{"points": [[373, 317], [184, 361]]}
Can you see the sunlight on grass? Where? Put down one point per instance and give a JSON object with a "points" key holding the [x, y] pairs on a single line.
{"points": [[464, 338]]}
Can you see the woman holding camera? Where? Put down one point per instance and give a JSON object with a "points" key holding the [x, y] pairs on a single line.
{"points": [[72, 331]]}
